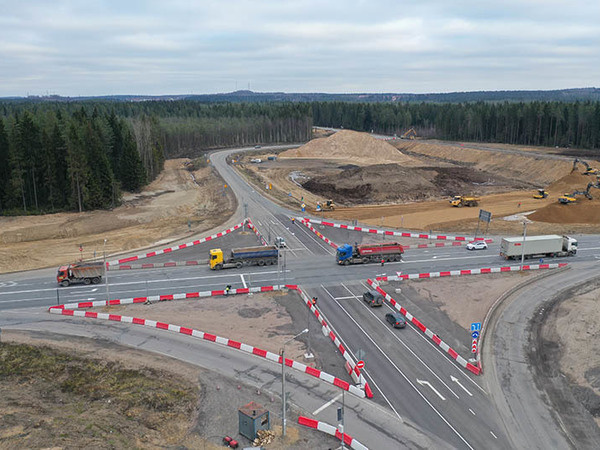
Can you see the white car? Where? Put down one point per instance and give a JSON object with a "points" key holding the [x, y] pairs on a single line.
{"points": [[477, 245]]}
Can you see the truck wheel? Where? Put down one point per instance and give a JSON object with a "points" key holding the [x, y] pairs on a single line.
{"points": [[96, 280], [460, 205], [261, 262], [87, 281], [64, 283], [365, 260], [347, 262], [238, 265], [398, 258], [218, 266]]}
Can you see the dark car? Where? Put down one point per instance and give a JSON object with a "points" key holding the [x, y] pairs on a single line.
{"points": [[396, 319], [373, 298]]}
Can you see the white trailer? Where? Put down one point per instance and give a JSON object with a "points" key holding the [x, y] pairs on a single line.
{"points": [[545, 246]]}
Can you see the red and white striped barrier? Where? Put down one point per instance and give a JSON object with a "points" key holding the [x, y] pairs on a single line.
{"points": [[306, 222], [331, 430], [445, 347], [69, 309], [452, 273], [434, 244], [395, 233], [158, 265], [351, 368], [175, 248], [253, 228]]}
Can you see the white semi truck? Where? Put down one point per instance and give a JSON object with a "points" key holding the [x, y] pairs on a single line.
{"points": [[545, 246]]}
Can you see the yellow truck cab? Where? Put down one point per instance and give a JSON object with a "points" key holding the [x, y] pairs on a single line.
{"points": [[216, 258]]}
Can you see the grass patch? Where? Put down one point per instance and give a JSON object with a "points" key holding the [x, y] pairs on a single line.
{"points": [[59, 399]]}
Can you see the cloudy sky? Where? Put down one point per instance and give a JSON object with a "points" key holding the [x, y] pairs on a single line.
{"points": [[101, 47]]}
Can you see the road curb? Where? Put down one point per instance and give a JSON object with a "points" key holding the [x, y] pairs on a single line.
{"points": [[490, 315], [117, 262], [71, 309], [442, 237]]}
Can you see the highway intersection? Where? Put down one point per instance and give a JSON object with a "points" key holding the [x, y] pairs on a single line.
{"points": [[422, 397]]}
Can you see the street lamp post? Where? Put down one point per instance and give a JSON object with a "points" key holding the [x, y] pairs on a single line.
{"points": [[283, 402], [523, 244], [106, 271]]}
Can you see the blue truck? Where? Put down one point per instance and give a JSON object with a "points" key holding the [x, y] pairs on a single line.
{"points": [[248, 256], [368, 253]]}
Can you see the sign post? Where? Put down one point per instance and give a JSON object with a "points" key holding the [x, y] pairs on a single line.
{"points": [[475, 331]]}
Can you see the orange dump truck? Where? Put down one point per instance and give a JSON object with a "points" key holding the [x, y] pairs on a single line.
{"points": [[85, 273]]}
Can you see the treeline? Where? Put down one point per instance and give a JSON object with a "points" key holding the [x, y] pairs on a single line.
{"points": [[575, 124], [81, 155], [188, 127], [55, 161]]}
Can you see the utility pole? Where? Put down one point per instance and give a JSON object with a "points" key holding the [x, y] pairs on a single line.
{"points": [[523, 244], [106, 272], [283, 399]]}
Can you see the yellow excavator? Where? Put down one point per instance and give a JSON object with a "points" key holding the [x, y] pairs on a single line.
{"points": [[588, 170], [570, 198], [541, 193], [410, 134]]}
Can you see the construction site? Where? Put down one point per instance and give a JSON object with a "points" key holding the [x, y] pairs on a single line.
{"points": [[413, 183]]}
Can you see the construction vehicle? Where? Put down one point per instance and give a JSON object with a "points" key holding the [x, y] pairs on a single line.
{"points": [[588, 170], [328, 206], [568, 197], [460, 201], [362, 254], [248, 256], [410, 134], [541, 193], [538, 246], [81, 272]]}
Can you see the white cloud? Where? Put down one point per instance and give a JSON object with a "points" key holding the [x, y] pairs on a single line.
{"points": [[107, 46]]}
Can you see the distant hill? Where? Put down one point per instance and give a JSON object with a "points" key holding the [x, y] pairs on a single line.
{"points": [[562, 95]]}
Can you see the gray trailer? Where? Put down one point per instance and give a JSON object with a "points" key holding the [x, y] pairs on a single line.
{"points": [[545, 246]]}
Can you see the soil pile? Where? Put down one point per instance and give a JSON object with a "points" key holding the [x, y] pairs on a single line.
{"points": [[351, 146], [519, 164], [384, 183], [582, 211]]}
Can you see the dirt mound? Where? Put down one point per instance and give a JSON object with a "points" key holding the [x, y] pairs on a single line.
{"points": [[384, 183], [351, 146], [569, 183], [584, 211], [517, 163]]}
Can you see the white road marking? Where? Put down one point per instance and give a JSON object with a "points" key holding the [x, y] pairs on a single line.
{"points": [[326, 405], [347, 347], [395, 335], [453, 378], [440, 415], [492, 433], [472, 412], [445, 259], [243, 280], [427, 383], [130, 282]]}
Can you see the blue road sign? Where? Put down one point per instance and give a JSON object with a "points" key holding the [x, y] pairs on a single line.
{"points": [[475, 334], [476, 326]]}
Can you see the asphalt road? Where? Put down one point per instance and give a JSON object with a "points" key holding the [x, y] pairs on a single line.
{"points": [[421, 395]]}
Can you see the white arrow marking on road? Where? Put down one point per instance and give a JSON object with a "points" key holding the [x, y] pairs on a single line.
{"points": [[8, 284], [453, 378], [427, 383]]}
